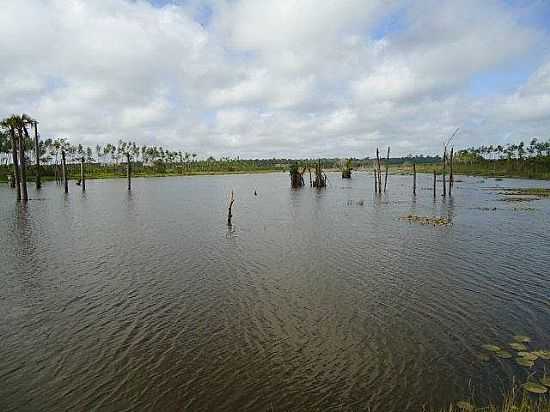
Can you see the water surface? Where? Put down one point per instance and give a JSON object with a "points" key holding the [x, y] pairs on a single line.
{"points": [[313, 300]]}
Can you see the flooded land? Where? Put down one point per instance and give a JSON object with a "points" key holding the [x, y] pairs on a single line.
{"points": [[330, 299]]}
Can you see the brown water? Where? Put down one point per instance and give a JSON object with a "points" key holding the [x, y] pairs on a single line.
{"points": [[315, 300]]}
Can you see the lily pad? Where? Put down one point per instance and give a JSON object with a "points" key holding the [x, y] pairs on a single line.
{"points": [[543, 354], [464, 406], [545, 381], [525, 362], [491, 348], [534, 387], [522, 339], [503, 354], [483, 357], [528, 355], [518, 346]]}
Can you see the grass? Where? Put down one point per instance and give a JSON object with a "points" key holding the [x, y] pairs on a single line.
{"points": [[514, 401]]}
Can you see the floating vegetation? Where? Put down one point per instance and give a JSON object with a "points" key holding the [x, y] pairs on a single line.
{"points": [[483, 357], [528, 355], [522, 339], [522, 198], [492, 348], [426, 220], [543, 354], [525, 362], [503, 354], [545, 381], [534, 387], [464, 406], [524, 209], [531, 191], [518, 346]]}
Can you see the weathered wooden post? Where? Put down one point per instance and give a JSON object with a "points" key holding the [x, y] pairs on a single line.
{"points": [[129, 171], [414, 178], [386, 177], [375, 182], [15, 163], [64, 171], [229, 214], [451, 177], [37, 154], [82, 176], [435, 183], [23, 166]]}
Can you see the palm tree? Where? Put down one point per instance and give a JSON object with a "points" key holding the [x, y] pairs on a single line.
{"points": [[10, 124]]}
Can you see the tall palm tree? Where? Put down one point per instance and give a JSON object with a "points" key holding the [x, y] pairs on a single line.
{"points": [[10, 124]]}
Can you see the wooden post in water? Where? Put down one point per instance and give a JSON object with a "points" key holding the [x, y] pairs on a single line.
{"points": [[22, 164], [229, 214], [37, 154], [386, 177], [82, 176], [310, 179], [443, 173], [379, 171], [451, 177], [129, 171], [414, 178], [435, 183], [15, 163], [64, 171], [375, 182]]}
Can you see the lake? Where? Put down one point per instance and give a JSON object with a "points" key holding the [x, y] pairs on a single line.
{"points": [[313, 300]]}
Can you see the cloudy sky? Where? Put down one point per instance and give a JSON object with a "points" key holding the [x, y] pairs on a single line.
{"points": [[284, 78]]}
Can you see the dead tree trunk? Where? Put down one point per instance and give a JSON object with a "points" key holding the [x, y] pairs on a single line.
{"points": [[37, 154], [310, 179], [15, 163], [229, 214], [375, 180], [23, 165], [82, 175], [129, 171], [444, 166], [64, 171], [379, 172], [435, 183], [386, 177], [414, 178], [451, 177]]}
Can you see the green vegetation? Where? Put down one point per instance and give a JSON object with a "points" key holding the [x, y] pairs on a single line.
{"points": [[512, 160], [514, 401]]}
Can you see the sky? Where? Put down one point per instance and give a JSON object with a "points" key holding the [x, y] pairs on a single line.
{"points": [[279, 78]]}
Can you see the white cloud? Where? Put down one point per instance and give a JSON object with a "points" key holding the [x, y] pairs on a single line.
{"points": [[271, 78]]}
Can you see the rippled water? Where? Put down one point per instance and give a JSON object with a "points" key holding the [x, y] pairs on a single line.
{"points": [[316, 300]]}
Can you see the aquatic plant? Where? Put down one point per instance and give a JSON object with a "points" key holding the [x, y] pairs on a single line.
{"points": [[522, 339], [534, 387], [518, 346], [503, 354], [492, 348], [427, 220], [525, 362]]}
